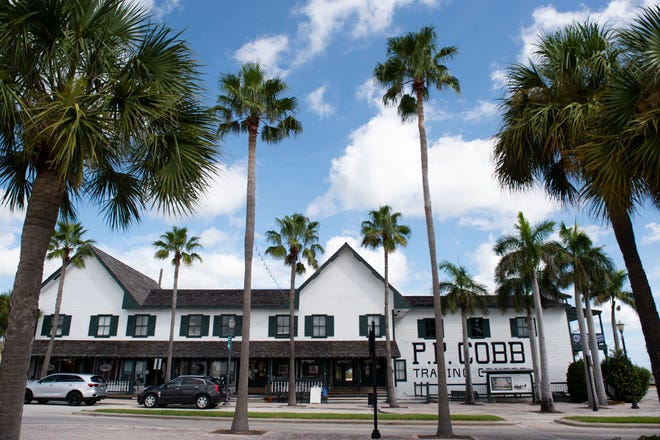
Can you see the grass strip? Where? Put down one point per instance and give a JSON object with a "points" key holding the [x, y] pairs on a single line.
{"points": [[298, 415], [615, 419]]}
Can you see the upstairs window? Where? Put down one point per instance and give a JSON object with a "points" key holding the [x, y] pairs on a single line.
{"points": [[194, 326], [478, 328], [426, 328], [221, 325], [365, 325], [141, 326], [63, 325], [278, 326], [103, 326], [519, 327], [319, 326]]}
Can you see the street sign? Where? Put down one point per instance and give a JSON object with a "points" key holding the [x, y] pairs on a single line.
{"points": [[229, 342]]}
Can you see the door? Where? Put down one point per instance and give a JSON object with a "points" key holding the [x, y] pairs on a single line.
{"points": [[344, 373]]}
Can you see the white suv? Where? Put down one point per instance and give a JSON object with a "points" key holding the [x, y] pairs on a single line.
{"points": [[74, 388]]}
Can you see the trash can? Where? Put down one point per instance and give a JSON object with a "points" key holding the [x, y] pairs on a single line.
{"points": [[315, 395]]}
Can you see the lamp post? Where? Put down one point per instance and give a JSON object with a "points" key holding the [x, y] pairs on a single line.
{"points": [[231, 324], [372, 351], [620, 327]]}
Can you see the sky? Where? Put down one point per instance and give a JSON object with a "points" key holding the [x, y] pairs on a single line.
{"points": [[354, 154]]}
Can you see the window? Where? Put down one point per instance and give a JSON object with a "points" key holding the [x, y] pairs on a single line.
{"points": [[63, 325], [400, 370], [194, 326], [426, 328], [478, 328], [141, 326], [278, 326], [365, 325], [103, 326], [319, 326], [519, 327], [221, 325]]}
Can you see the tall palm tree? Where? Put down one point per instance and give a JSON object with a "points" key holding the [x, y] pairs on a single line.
{"points": [[612, 291], [583, 120], [383, 229], [527, 249], [414, 66], [67, 245], [4, 312], [465, 293], [99, 105], [182, 248], [296, 240], [251, 103], [512, 288], [586, 265]]}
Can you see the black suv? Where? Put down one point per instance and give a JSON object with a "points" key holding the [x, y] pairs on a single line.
{"points": [[203, 391]]}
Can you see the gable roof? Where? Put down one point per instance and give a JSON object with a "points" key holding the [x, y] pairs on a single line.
{"points": [[399, 301]]}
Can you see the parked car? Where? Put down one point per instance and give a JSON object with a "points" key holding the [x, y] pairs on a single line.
{"points": [[74, 388], [202, 391]]}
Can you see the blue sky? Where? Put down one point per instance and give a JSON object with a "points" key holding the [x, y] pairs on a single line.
{"points": [[354, 154]]}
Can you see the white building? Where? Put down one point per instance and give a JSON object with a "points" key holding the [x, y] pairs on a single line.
{"points": [[115, 321]]}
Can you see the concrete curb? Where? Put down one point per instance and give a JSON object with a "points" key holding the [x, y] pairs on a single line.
{"points": [[568, 422]]}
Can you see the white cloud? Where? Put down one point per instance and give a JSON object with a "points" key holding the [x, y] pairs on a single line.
{"points": [[653, 233], [460, 176], [317, 103], [484, 109], [159, 8], [268, 51]]}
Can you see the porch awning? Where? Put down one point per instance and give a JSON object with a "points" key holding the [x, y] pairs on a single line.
{"points": [[211, 349]]}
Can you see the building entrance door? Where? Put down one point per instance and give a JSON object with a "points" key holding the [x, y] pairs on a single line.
{"points": [[344, 373]]}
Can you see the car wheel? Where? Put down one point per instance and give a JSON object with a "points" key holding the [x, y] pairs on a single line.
{"points": [[150, 401], [74, 398], [42, 401], [203, 401], [90, 402], [28, 397]]}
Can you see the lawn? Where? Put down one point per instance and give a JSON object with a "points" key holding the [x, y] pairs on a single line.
{"points": [[615, 419]]}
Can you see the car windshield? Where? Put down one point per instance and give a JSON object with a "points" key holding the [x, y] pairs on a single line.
{"points": [[97, 379]]}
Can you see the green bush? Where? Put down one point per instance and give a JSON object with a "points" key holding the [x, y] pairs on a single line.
{"points": [[577, 384], [626, 381]]}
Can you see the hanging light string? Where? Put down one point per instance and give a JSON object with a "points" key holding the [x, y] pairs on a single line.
{"points": [[270, 274]]}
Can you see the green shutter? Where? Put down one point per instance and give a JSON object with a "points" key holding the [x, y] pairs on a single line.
{"points": [[272, 325], [93, 325], [363, 326], [151, 325], [46, 325], [205, 325], [486, 326], [469, 327], [183, 329], [295, 326], [130, 326], [382, 327], [66, 325], [513, 323], [421, 328], [329, 325], [238, 328], [114, 323], [309, 324], [217, 325]]}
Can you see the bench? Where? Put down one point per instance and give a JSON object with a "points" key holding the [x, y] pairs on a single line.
{"points": [[461, 395]]}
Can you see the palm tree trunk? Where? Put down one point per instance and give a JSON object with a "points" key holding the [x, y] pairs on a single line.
{"points": [[170, 344], [55, 321], [533, 347], [240, 422], [444, 420], [615, 333], [469, 389], [644, 302], [595, 356], [584, 343], [388, 349], [547, 404], [40, 219], [292, 339]]}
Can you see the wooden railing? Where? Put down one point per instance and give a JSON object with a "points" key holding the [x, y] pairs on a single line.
{"points": [[280, 386]]}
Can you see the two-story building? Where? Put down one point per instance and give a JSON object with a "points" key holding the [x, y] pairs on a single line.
{"points": [[115, 321]]}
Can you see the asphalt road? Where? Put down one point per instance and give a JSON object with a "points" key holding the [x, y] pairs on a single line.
{"points": [[523, 422]]}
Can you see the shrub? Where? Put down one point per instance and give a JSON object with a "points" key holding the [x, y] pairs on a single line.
{"points": [[576, 382], [628, 382]]}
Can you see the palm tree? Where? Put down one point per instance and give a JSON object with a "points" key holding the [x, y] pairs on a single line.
{"points": [[583, 120], [586, 265], [98, 105], [182, 248], [612, 291], [296, 240], [383, 229], [412, 67], [5, 298], [67, 244], [251, 103], [526, 250], [465, 293]]}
